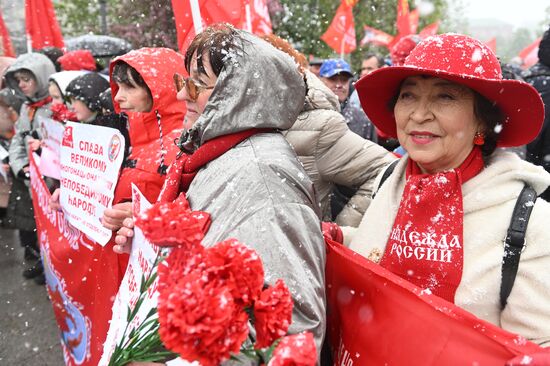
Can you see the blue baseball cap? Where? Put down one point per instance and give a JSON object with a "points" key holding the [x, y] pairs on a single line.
{"points": [[332, 67]]}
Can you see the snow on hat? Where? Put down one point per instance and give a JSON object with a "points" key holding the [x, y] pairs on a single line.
{"points": [[87, 88], [332, 67], [465, 61]]}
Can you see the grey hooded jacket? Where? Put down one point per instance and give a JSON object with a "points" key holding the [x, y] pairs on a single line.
{"points": [[258, 192], [42, 68]]}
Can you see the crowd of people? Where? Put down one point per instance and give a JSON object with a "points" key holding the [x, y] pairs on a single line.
{"points": [[417, 166]]}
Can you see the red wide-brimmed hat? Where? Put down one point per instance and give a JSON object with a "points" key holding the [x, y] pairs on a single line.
{"points": [[465, 61]]}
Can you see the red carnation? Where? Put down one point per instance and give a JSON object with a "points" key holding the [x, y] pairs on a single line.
{"points": [[240, 267], [273, 314], [199, 320], [180, 262], [295, 350], [174, 224]]}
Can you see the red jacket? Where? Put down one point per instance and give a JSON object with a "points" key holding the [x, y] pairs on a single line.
{"points": [[102, 268], [152, 134]]}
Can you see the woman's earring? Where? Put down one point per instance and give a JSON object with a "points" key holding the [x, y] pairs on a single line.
{"points": [[479, 138]]}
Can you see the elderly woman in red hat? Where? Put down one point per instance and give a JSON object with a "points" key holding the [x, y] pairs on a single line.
{"points": [[441, 218]]}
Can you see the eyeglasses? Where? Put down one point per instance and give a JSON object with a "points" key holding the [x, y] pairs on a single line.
{"points": [[192, 88]]}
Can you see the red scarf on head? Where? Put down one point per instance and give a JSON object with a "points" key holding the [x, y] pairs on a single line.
{"points": [[425, 245], [185, 167]]}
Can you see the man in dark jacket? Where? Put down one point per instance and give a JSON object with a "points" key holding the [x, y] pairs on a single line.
{"points": [[538, 151]]}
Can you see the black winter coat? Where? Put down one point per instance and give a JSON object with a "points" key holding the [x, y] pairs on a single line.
{"points": [[538, 151]]}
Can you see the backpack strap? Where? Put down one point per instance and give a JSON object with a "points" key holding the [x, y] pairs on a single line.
{"points": [[389, 169], [515, 241]]}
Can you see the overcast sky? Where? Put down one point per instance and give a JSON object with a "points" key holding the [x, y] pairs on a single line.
{"points": [[520, 13]]}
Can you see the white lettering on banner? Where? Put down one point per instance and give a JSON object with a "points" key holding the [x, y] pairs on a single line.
{"points": [[344, 357], [423, 245]]}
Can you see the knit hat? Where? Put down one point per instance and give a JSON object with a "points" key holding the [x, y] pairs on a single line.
{"points": [[87, 88], [465, 61]]}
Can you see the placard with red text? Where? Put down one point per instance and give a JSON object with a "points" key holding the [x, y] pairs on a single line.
{"points": [[90, 160]]}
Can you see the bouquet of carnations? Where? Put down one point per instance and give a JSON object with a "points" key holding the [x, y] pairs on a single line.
{"points": [[208, 297]]}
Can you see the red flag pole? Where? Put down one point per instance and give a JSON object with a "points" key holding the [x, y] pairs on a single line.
{"points": [[196, 13], [29, 43], [248, 16], [7, 46]]}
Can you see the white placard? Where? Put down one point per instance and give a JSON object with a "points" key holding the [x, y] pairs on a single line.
{"points": [[91, 157], [3, 154], [52, 133], [141, 261]]}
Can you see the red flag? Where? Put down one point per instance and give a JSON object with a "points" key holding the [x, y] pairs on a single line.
{"points": [[258, 13], [41, 24], [340, 35], [403, 21], [413, 21], [429, 30], [376, 318], [7, 48], [529, 55], [213, 11], [376, 37], [492, 44]]}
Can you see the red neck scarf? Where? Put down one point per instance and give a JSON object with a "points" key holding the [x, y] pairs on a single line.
{"points": [[185, 167], [425, 246], [34, 106]]}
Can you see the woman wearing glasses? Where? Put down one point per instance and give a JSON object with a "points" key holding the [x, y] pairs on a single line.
{"points": [[240, 93]]}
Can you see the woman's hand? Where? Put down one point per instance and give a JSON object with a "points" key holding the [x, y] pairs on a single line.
{"points": [[34, 144], [113, 217], [53, 203], [124, 236]]}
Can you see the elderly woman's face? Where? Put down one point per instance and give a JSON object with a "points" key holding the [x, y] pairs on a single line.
{"points": [[205, 83], [436, 123]]}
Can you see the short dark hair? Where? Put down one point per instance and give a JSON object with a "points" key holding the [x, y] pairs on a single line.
{"points": [[490, 115], [379, 58], [126, 74], [123, 73], [218, 40]]}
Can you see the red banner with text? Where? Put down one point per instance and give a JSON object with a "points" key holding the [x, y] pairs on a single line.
{"points": [[377, 318], [78, 273]]}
